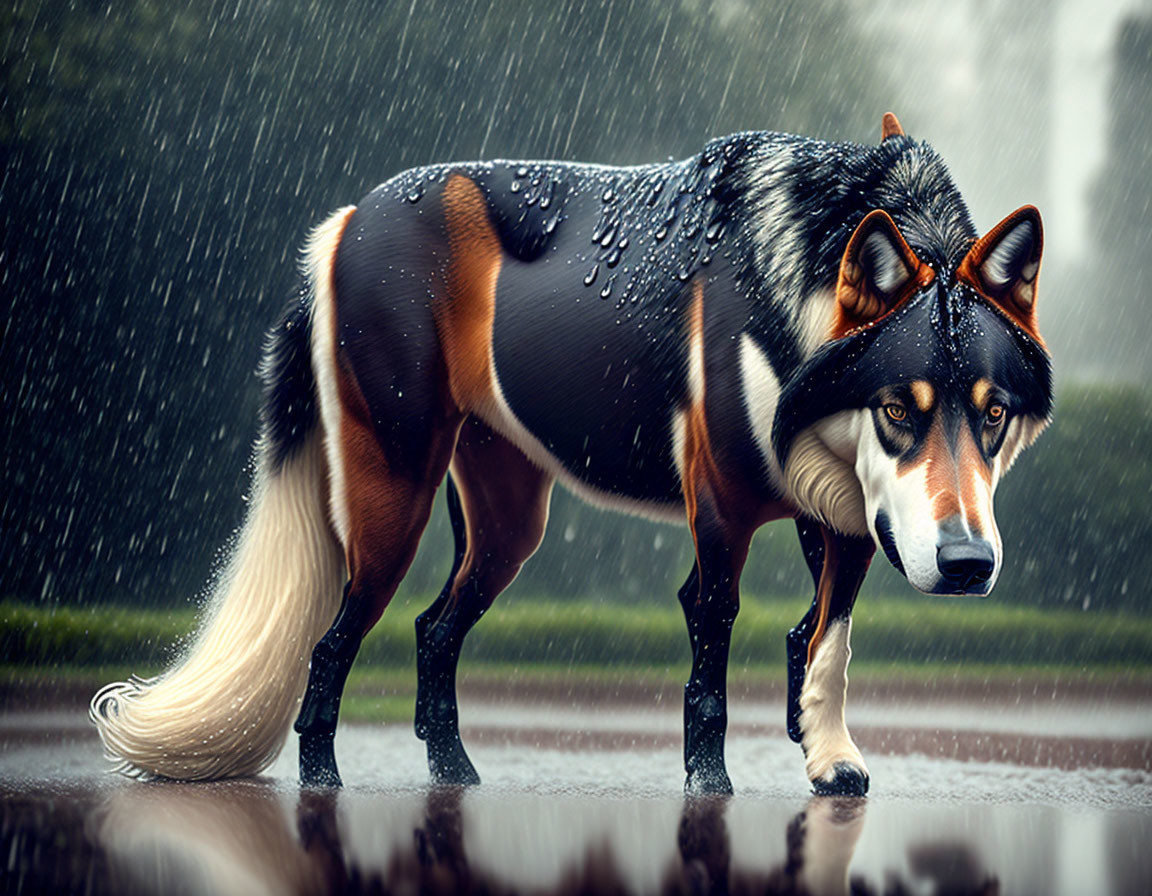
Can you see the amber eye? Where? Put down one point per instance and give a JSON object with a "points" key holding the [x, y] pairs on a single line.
{"points": [[995, 414], [897, 413]]}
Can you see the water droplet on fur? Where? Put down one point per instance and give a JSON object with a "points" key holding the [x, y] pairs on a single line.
{"points": [[590, 277]]}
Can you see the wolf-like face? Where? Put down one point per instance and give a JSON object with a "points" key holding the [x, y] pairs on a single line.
{"points": [[929, 386]]}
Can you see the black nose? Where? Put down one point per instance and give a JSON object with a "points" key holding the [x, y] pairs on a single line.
{"points": [[966, 565]]}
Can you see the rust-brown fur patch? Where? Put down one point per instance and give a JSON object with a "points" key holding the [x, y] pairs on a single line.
{"points": [[505, 498], [824, 590], [464, 317], [386, 513], [948, 473]]}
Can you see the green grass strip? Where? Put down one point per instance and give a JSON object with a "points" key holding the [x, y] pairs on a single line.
{"points": [[564, 634]]}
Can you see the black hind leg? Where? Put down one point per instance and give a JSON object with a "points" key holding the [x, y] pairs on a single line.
{"points": [[499, 508], [440, 634], [387, 508], [332, 659]]}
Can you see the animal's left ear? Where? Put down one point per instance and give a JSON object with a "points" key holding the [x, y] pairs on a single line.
{"points": [[1004, 264]]}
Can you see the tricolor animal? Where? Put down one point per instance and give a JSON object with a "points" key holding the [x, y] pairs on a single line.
{"points": [[776, 327]]}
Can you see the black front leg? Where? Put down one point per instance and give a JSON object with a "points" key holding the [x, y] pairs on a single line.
{"points": [[796, 643]]}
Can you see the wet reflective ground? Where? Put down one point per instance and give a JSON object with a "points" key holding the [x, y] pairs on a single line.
{"points": [[587, 800]]}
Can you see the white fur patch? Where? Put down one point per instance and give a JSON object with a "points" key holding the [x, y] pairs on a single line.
{"points": [[761, 395], [825, 734], [905, 499], [822, 482], [883, 262], [814, 320], [696, 364], [1022, 432], [316, 265], [1004, 263], [679, 438]]}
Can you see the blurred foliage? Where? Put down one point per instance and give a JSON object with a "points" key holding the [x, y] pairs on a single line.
{"points": [[163, 162], [1076, 511], [583, 633]]}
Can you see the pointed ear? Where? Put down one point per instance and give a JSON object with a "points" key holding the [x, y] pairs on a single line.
{"points": [[890, 127], [1004, 264], [879, 270]]}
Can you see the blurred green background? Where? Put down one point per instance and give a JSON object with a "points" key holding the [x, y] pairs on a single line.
{"points": [[163, 162]]}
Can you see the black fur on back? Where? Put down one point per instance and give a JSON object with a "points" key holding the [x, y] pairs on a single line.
{"points": [[289, 411]]}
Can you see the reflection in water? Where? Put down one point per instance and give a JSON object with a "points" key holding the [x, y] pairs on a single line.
{"points": [[251, 838], [203, 838]]}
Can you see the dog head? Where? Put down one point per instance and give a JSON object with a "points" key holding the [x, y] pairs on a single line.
{"points": [[928, 387]]}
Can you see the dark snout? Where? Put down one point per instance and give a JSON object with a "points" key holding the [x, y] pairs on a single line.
{"points": [[966, 565]]}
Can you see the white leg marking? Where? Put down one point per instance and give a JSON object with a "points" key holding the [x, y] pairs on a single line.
{"points": [[826, 739]]}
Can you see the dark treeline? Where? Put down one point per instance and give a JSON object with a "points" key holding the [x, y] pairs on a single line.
{"points": [[164, 162]]}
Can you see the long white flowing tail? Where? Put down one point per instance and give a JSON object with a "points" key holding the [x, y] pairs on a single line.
{"points": [[224, 709]]}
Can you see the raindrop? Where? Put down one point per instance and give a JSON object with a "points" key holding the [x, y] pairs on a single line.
{"points": [[613, 258], [607, 290], [515, 188], [590, 277], [608, 195], [415, 192], [522, 171]]}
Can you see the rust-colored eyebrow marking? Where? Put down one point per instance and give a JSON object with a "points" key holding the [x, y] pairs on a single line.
{"points": [[923, 394], [981, 390]]}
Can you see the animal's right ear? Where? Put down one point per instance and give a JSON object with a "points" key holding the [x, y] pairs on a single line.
{"points": [[1003, 266], [879, 270]]}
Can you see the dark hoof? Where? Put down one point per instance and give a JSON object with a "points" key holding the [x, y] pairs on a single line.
{"points": [[708, 782], [318, 764], [450, 765], [847, 781]]}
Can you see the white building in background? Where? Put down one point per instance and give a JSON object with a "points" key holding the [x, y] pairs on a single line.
{"points": [[1012, 92]]}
